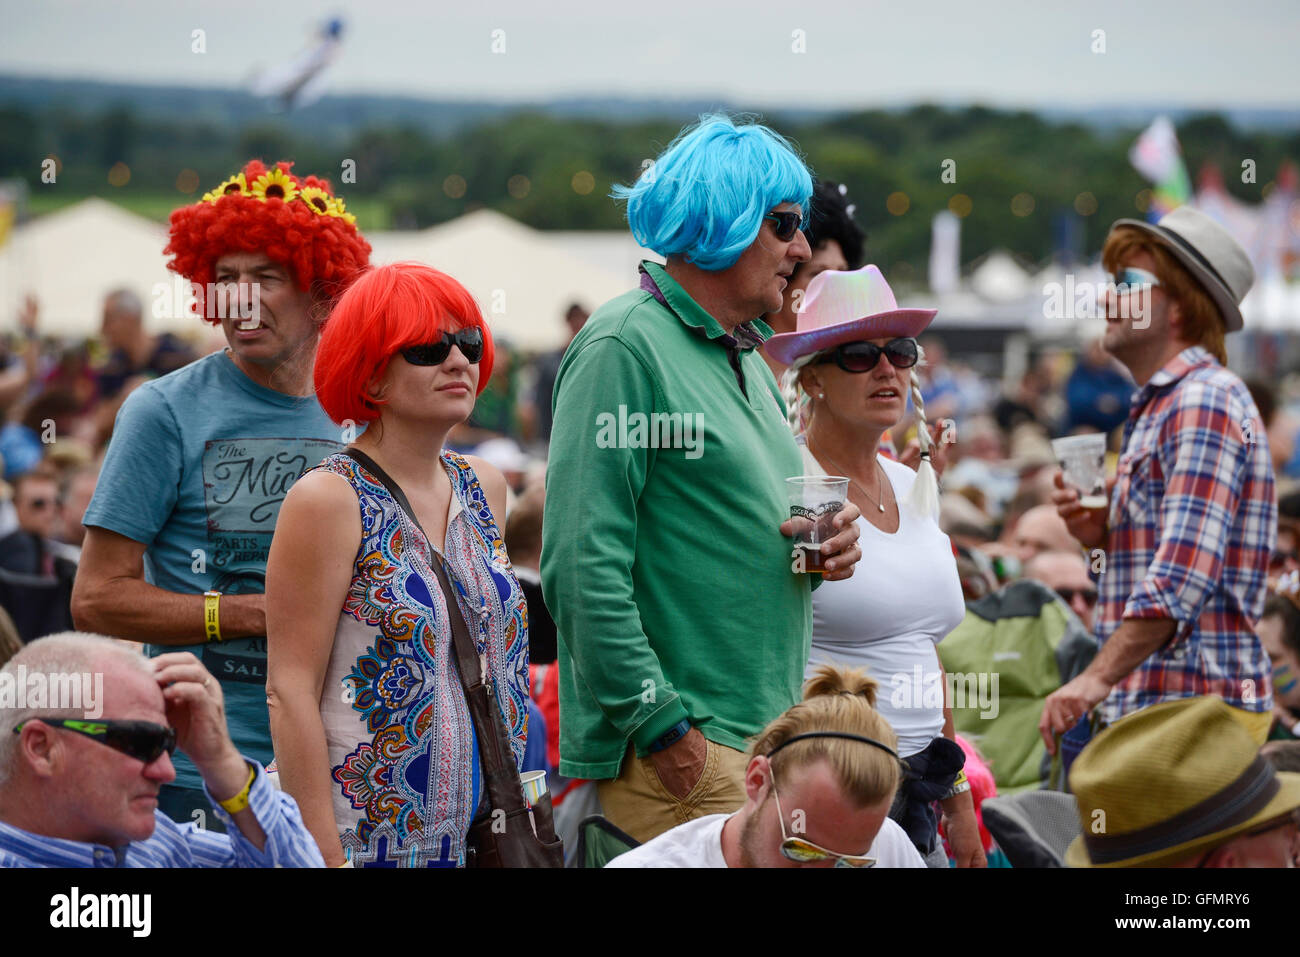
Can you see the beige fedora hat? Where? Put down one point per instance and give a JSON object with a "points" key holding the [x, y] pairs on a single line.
{"points": [[1170, 782], [1209, 253]]}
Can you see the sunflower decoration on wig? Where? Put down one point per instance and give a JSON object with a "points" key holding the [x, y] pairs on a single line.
{"points": [[297, 221]]}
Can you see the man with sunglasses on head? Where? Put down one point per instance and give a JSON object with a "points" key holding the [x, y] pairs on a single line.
{"points": [[818, 788], [180, 523], [666, 557], [1192, 517], [79, 788]]}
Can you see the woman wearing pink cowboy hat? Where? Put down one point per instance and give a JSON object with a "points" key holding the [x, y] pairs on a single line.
{"points": [[852, 361]]}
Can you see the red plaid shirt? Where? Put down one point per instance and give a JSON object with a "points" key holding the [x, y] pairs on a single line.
{"points": [[1193, 521]]}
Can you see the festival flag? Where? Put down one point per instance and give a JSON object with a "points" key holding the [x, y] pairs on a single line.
{"points": [[945, 252], [1157, 156]]}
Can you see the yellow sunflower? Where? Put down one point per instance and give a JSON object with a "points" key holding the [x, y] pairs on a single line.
{"points": [[236, 184], [275, 183], [338, 209], [320, 201]]}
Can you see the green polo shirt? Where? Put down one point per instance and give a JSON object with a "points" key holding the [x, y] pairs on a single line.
{"points": [[663, 563]]}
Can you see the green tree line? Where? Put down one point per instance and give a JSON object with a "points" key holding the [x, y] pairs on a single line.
{"points": [[1020, 181]]}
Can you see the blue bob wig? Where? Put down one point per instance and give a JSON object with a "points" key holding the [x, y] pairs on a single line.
{"points": [[705, 197]]}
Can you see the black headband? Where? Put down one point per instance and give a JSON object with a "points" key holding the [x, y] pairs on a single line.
{"points": [[833, 734]]}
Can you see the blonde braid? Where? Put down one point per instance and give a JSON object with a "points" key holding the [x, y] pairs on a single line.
{"points": [[795, 398], [925, 490]]}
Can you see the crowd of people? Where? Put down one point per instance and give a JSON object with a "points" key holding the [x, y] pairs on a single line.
{"points": [[372, 574]]}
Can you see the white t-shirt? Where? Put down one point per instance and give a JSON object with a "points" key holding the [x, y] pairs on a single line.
{"points": [[698, 843], [903, 599]]}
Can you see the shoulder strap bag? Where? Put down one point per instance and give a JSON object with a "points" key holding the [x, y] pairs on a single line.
{"points": [[504, 835]]}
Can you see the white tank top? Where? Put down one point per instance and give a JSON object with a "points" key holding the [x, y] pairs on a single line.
{"points": [[903, 599]]}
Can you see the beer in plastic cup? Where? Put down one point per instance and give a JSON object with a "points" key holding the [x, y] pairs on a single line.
{"points": [[814, 502], [1083, 459]]}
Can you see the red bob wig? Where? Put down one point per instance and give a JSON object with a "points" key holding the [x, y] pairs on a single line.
{"points": [[299, 223], [386, 309]]}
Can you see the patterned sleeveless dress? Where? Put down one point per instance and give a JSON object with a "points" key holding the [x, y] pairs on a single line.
{"points": [[403, 757]]}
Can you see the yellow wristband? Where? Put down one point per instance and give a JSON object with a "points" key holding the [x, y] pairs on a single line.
{"points": [[240, 801], [212, 615]]}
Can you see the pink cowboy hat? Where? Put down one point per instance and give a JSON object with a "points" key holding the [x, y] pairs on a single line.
{"points": [[844, 307]]}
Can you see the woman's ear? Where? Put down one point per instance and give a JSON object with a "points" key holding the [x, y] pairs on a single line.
{"points": [[375, 390], [810, 381]]}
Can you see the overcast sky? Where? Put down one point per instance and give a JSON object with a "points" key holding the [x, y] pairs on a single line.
{"points": [[1001, 52]]}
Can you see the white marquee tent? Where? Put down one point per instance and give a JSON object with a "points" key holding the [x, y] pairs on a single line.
{"points": [[70, 259], [523, 278]]}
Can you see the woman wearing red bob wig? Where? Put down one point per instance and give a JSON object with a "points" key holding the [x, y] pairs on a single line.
{"points": [[372, 732]]}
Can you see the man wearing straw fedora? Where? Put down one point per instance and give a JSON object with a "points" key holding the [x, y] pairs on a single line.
{"points": [[1183, 550], [1182, 784]]}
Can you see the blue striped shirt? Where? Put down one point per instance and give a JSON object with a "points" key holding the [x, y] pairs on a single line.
{"points": [[288, 842]]}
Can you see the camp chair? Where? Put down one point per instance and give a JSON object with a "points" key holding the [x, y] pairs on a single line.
{"points": [[599, 842], [1033, 828]]}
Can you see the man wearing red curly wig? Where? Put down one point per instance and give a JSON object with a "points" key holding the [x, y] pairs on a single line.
{"points": [[180, 523]]}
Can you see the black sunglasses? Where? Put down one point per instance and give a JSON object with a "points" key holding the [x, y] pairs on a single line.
{"points": [[1089, 595], [787, 224], [142, 740], [468, 341], [863, 356]]}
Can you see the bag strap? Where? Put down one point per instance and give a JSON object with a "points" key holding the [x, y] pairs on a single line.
{"points": [[498, 761]]}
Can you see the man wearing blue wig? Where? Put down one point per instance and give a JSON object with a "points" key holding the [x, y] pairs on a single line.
{"points": [[684, 627]]}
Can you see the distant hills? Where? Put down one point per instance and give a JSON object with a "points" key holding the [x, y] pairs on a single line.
{"points": [[338, 116]]}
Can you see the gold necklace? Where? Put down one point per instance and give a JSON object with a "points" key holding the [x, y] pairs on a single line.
{"points": [[880, 488]]}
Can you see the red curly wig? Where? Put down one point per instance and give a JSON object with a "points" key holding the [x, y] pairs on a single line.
{"points": [[299, 223], [385, 310]]}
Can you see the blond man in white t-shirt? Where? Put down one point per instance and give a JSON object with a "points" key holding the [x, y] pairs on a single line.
{"points": [[819, 784]]}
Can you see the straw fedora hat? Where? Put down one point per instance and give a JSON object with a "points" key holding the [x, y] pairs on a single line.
{"points": [[1170, 782], [1209, 253], [841, 307]]}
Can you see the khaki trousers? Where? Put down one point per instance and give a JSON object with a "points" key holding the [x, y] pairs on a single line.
{"points": [[638, 803]]}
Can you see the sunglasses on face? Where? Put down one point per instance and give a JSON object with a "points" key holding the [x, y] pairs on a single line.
{"points": [[806, 852], [1280, 558], [468, 341], [1089, 595], [787, 224], [1131, 277], [142, 740], [863, 356]]}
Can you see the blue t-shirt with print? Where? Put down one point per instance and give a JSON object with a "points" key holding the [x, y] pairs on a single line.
{"points": [[199, 463]]}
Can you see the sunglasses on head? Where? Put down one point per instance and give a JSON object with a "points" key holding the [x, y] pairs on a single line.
{"points": [[862, 356], [469, 341], [787, 224], [142, 740]]}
